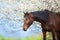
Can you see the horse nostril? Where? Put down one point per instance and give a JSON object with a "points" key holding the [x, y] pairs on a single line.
{"points": [[24, 29]]}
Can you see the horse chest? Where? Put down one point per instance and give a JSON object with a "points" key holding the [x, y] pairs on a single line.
{"points": [[46, 27]]}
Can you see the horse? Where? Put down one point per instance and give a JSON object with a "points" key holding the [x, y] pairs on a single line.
{"points": [[49, 22]]}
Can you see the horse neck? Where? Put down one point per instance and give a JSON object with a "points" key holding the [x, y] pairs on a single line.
{"points": [[41, 17]]}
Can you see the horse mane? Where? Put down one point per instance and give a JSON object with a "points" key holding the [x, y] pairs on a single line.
{"points": [[44, 15]]}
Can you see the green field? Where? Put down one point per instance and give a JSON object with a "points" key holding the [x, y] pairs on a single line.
{"points": [[38, 37]]}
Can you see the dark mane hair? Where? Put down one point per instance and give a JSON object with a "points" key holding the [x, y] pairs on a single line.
{"points": [[44, 15]]}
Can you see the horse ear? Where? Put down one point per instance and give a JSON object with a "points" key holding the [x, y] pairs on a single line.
{"points": [[24, 12], [27, 13]]}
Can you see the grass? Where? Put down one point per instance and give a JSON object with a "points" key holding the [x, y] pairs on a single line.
{"points": [[38, 37], [32, 38]]}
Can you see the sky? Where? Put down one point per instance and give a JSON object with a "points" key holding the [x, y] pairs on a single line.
{"points": [[10, 28]]}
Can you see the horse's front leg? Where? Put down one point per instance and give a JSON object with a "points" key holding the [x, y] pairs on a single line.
{"points": [[58, 35], [53, 35], [53, 31], [44, 35]]}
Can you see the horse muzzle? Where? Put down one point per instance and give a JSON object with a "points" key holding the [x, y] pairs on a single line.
{"points": [[24, 29]]}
